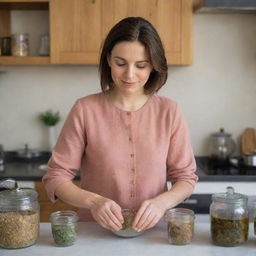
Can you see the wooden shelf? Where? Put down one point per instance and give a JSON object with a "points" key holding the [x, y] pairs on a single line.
{"points": [[24, 5], [26, 60]]}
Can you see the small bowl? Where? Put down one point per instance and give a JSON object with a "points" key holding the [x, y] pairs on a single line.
{"points": [[127, 230]]}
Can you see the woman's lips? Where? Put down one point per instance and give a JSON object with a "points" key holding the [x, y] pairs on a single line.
{"points": [[129, 83]]}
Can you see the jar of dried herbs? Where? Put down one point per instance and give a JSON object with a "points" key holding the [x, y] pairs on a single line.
{"points": [[229, 218], [180, 225], [64, 227], [19, 218]]}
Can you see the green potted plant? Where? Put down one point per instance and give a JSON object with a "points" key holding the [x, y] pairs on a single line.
{"points": [[50, 119]]}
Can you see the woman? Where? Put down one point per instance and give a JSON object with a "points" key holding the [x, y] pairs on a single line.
{"points": [[127, 141]]}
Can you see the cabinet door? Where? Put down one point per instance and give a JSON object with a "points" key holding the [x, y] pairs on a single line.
{"points": [[75, 31], [171, 18]]}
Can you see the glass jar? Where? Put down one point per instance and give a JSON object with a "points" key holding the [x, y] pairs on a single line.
{"points": [[180, 225], [64, 227], [5, 46], [20, 44], [19, 218], [229, 218]]}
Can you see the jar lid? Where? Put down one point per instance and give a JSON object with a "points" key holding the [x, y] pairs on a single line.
{"points": [[18, 194], [229, 197], [221, 133]]}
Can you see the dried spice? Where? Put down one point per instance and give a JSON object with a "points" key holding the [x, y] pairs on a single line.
{"points": [[180, 233], [18, 229], [229, 232], [64, 235], [128, 220]]}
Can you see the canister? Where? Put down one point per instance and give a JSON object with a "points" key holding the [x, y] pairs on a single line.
{"points": [[19, 218], [20, 44], [229, 218]]}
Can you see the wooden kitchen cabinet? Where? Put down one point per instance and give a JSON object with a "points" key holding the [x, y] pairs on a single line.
{"points": [[6, 6], [75, 31], [46, 206], [171, 18], [78, 28]]}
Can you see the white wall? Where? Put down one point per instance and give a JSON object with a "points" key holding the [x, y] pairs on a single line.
{"points": [[218, 90]]}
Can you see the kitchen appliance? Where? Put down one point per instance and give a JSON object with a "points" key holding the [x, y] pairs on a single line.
{"points": [[221, 147], [225, 6], [234, 167], [215, 175]]}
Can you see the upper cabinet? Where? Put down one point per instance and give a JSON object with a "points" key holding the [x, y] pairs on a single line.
{"points": [[76, 31], [171, 18], [78, 27]]}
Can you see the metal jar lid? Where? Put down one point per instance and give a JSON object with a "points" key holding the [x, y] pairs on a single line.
{"points": [[229, 197]]}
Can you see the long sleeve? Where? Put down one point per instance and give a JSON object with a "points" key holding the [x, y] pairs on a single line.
{"points": [[181, 165], [67, 154]]}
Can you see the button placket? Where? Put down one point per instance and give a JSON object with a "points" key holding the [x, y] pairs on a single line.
{"points": [[132, 155]]}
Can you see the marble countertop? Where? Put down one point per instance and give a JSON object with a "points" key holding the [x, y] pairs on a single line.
{"points": [[95, 241]]}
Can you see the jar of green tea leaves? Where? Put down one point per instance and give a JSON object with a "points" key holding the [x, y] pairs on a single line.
{"points": [[64, 227], [229, 218]]}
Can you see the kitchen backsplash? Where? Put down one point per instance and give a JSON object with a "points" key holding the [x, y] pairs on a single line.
{"points": [[218, 90]]}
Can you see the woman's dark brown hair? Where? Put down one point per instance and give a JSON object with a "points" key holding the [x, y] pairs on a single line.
{"points": [[135, 29]]}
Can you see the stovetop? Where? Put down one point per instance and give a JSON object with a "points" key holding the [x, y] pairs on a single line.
{"points": [[213, 167]]}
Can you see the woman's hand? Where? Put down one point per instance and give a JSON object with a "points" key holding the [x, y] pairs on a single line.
{"points": [[149, 213], [107, 213]]}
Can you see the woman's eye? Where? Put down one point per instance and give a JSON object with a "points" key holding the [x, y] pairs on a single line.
{"points": [[141, 66], [120, 64]]}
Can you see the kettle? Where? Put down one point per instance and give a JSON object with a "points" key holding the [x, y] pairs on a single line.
{"points": [[221, 145]]}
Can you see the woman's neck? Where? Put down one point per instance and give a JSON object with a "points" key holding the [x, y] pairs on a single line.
{"points": [[130, 102]]}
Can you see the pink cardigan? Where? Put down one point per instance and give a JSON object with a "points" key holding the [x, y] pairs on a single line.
{"points": [[124, 156]]}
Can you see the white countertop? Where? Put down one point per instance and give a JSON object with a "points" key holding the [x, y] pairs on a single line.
{"points": [[96, 241]]}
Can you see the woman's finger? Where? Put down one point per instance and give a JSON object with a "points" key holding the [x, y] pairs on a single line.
{"points": [[152, 223], [117, 211], [112, 221], [138, 215], [145, 219]]}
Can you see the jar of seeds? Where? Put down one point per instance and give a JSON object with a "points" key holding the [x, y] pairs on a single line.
{"points": [[64, 227], [19, 217], [180, 225]]}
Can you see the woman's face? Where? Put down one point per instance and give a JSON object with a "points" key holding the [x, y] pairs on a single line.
{"points": [[130, 67]]}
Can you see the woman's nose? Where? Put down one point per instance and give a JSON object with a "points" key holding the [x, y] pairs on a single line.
{"points": [[130, 72]]}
